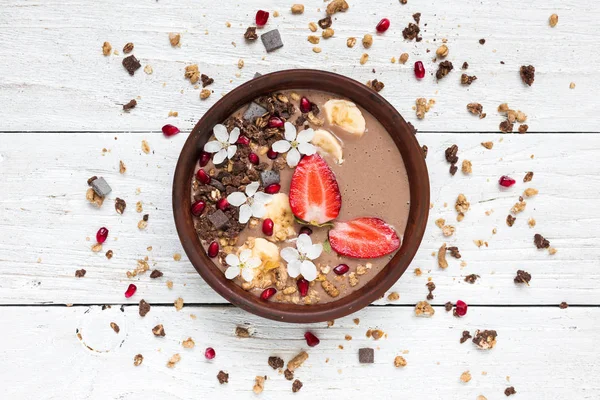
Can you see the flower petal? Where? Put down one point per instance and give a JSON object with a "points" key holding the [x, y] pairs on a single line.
{"points": [[232, 272], [289, 254], [262, 198], [232, 260], [232, 149], [251, 188], [245, 255], [245, 213], [290, 131], [220, 132], [305, 136], [314, 251], [307, 149], [293, 158], [213, 147], [220, 157], [236, 199], [281, 146], [293, 268], [258, 209], [234, 135], [308, 270], [303, 243], [248, 274], [253, 262]]}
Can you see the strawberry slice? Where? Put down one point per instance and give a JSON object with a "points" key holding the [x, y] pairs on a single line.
{"points": [[314, 193], [363, 238]]}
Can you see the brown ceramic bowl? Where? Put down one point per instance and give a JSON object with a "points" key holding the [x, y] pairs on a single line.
{"points": [[358, 93]]}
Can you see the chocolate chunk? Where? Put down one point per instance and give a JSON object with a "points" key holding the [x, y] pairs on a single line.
{"points": [[471, 278], [289, 375], [251, 33], [206, 80], [412, 32], [158, 330], [254, 111], [540, 241], [144, 308], [466, 79], [448, 306], [465, 65], [453, 169], [257, 74], [223, 377], [510, 391], [325, 22], [485, 339], [528, 74], [156, 274], [275, 362], [271, 40], [481, 41], [100, 186], [465, 336], [454, 251], [451, 154], [523, 277], [131, 64], [377, 85], [506, 126], [366, 355], [217, 185], [218, 219], [80, 273], [296, 386], [132, 103], [120, 205], [563, 305], [444, 69], [145, 217], [269, 177], [510, 220]]}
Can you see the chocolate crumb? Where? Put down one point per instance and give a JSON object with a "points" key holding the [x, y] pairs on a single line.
{"points": [[510, 391], [223, 377], [132, 103], [528, 177], [563, 305], [506, 126], [109, 254], [289, 375], [80, 273], [471, 278], [206, 80], [242, 332], [523, 277], [510, 220], [158, 330], [138, 359], [156, 274], [412, 32], [454, 251], [275, 362], [465, 336], [448, 306], [251, 33], [527, 74], [92, 179], [325, 22], [465, 65], [485, 339], [296, 386], [451, 154], [453, 169], [366, 355], [466, 79], [523, 128], [376, 85], [425, 151], [540, 242], [120, 205], [482, 41], [444, 69], [131, 64], [144, 308], [417, 17]]}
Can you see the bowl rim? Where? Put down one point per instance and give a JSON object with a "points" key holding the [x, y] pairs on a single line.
{"points": [[404, 138]]}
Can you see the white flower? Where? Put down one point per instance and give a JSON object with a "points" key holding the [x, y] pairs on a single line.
{"points": [[295, 144], [299, 259], [244, 265], [224, 146], [251, 204]]}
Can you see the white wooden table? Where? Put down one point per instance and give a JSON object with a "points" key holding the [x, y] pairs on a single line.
{"points": [[60, 103]]}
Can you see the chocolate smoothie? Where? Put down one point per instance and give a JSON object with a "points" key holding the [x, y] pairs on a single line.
{"points": [[350, 198]]}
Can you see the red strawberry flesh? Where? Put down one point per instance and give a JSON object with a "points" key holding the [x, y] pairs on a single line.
{"points": [[363, 238], [314, 192]]}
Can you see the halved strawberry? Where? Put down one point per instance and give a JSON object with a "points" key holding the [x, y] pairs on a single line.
{"points": [[363, 238], [314, 193]]}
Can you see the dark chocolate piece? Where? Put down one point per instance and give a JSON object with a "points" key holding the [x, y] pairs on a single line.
{"points": [[131, 64], [101, 187], [269, 177], [271, 40], [366, 355], [254, 111], [218, 219]]}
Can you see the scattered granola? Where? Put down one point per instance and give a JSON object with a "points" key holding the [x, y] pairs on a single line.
{"points": [[327, 33], [367, 41], [400, 361], [115, 327], [325, 22], [482, 41], [223, 377], [178, 304], [403, 58], [205, 94], [376, 85], [467, 79], [444, 69], [442, 51], [364, 58], [144, 308], [297, 8], [188, 343], [312, 26], [289, 375], [97, 247], [553, 20], [336, 6], [522, 277], [528, 177], [552, 251], [242, 332], [158, 330], [530, 192], [138, 359], [393, 296], [106, 49], [442, 262], [174, 39], [296, 386], [297, 361], [527, 74], [518, 207], [350, 42], [109, 254], [485, 339], [192, 73], [465, 336], [173, 360], [465, 376], [80, 273], [424, 309], [145, 147], [251, 33], [412, 32], [128, 48], [313, 39], [454, 251], [540, 242]]}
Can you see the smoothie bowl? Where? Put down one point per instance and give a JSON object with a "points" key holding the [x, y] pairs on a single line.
{"points": [[301, 196]]}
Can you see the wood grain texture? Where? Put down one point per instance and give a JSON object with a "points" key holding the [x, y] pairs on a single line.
{"points": [[47, 219], [42, 340], [53, 76]]}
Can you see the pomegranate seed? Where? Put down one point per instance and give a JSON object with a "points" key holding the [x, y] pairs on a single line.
{"points": [[253, 158], [243, 140], [198, 207], [204, 159], [275, 122], [311, 339], [262, 17], [461, 308], [170, 130], [213, 249], [131, 289], [223, 204], [341, 269], [305, 105], [268, 293], [419, 70], [203, 176], [506, 181], [272, 154], [305, 230], [273, 188], [209, 353], [383, 25], [101, 235], [302, 286], [267, 227]]}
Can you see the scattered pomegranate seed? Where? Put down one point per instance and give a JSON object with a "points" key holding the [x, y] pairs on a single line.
{"points": [[267, 227], [262, 17], [275, 122], [341, 269], [506, 181], [272, 154], [203, 176], [302, 286], [209, 353], [253, 158], [305, 105], [311, 339], [170, 130], [306, 230], [131, 289], [101, 235], [243, 140], [223, 204], [273, 188], [213, 249], [198, 207], [419, 70], [204, 159], [268, 293], [460, 308], [383, 25]]}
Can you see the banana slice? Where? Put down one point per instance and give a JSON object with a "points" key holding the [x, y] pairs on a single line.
{"points": [[329, 143], [267, 252], [346, 115], [278, 209]]}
